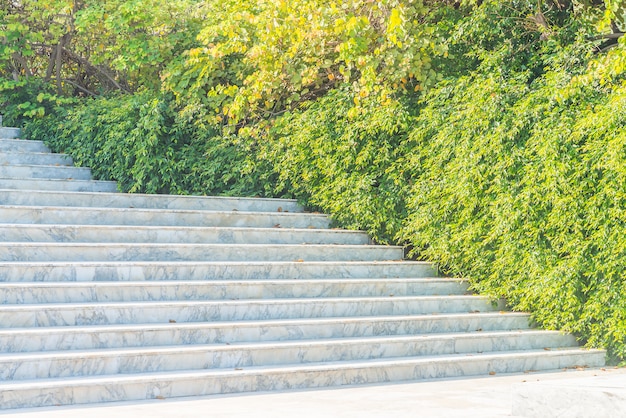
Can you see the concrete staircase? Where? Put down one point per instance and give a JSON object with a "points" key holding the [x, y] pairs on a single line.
{"points": [[108, 297]]}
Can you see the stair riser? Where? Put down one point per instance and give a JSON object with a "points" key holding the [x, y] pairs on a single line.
{"points": [[9, 133], [20, 145], [49, 315], [120, 271], [15, 341], [197, 252], [138, 217], [58, 185], [171, 291], [182, 235], [22, 367], [193, 384], [45, 172], [35, 158], [118, 200]]}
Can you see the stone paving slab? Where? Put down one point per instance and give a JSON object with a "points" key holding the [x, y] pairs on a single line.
{"points": [[486, 397]]}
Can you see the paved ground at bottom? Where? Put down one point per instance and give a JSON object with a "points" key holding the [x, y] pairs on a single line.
{"points": [[484, 397]]}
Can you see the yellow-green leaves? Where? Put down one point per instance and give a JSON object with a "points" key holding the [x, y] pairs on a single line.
{"points": [[280, 54]]}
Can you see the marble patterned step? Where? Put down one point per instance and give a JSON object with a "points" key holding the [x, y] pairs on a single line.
{"points": [[48, 392], [58, 185], [78, 292], [44, 172], [35, 158], [99, 313], [142, 201], [14, 340], [74, 363], [155, 217], [21, 145], [62, 251], [160, 270], [188, 235], [8, 133]]}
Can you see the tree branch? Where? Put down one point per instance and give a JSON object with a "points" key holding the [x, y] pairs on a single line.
{"points": [[607, 36], [85, 62], [79, 87]]}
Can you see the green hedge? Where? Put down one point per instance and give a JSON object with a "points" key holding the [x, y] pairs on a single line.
{"points": [[140, 141]]}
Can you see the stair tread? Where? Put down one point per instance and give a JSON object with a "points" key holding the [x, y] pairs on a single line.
{"points": [[155, 197], [155, 377], [182, 227], [256, 323], [47, 180], [217, 282], [133, 210], [319, 342], [239, 301]]}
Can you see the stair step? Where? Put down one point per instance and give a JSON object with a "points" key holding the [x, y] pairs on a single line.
{"points": [[142, 201], [43, 315], [189, 235], [155, 217], [34, 158], [77, 292], [20, 145], [49, 392], [74, 363], [9, 133], [58, 185], [231, 270], [147, 335], [61, 251], [44, 172]]}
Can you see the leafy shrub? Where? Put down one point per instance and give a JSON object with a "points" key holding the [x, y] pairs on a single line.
{"points": [[347, 163], [140, 142]]}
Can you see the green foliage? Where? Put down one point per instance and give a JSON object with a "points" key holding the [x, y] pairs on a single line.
{"points": [[519, 185], [348, 165], [259, 58], [140, 142], [90, 47]]}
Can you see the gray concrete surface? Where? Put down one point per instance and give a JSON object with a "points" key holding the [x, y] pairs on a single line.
{"points": [[483, 397]]}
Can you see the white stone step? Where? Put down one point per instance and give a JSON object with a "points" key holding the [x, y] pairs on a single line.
{"points": [[34, 158], [99, 313], [22, 145], [62, 251], [8, 133], [81, 292], [44, 172], [13, 340], [47, 392], [142, 201], [160, 270], [58, 185], [74, 363], [188, 235], [155, 217]]}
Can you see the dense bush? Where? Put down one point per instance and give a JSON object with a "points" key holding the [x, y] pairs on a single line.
{"points": [[141, 142], [347, 164]]}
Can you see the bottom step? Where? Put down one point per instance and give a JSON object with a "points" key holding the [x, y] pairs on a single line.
{"points": [[205, 382]]}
